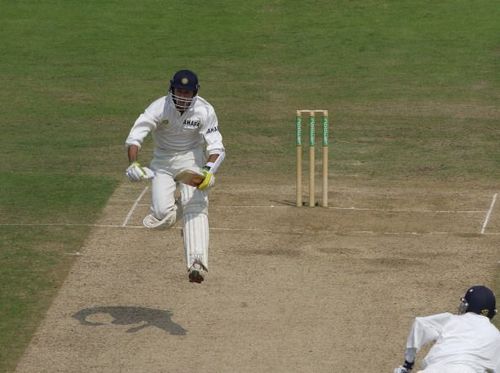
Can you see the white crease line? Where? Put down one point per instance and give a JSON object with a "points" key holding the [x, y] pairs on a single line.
{"points": [[134, 206], [352, 208], [214, 205], [306, 208], [409, 210], [487, 218], [342, 233]]}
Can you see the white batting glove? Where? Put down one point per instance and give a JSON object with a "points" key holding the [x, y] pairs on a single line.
{"points": [[405, 368], [135, 172], [401, 370], [208, 181]]}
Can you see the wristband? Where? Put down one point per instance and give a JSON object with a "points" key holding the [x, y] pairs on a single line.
{"points": [[408, 365]]}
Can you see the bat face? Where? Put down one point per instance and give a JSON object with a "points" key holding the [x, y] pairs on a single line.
{"points": [[189, 177]]}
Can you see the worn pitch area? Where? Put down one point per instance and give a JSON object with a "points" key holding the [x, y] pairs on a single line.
{"points": [[289, 289]]}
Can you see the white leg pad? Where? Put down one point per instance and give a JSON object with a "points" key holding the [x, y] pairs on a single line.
{"points": [[196, 239]]}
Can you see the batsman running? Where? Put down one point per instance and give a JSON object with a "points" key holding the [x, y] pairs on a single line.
{"points": [[188, 151], [463, 343]]}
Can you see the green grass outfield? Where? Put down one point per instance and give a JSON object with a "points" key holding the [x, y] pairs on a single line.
{"points": [[413, 89]]}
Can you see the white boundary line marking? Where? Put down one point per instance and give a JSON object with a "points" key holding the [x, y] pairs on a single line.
{"points": [[129, 215], [488, 214]]}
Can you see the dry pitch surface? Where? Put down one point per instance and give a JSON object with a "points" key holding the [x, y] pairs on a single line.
{"points": [[289, 289]]}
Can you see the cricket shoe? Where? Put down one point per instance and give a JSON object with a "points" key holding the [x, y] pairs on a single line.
{"points": [[196, 273]]}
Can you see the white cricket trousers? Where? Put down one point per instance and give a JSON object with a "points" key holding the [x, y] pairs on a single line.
{"points": [[193, 202]]}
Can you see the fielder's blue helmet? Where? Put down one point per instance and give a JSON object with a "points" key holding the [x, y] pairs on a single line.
{"points": [[185, 79], [479, 299]]}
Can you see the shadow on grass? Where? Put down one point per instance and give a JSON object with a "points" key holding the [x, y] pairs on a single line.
{"points": [[139, 317]]}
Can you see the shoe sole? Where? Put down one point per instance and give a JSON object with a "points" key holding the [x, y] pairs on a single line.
{"points": [[196, 276]]}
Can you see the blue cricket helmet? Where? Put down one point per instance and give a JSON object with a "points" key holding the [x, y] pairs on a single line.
{"points": [[479, 299], [185, 79]]}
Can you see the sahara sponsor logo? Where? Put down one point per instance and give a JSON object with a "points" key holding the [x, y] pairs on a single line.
{"points": [[191, 123]]}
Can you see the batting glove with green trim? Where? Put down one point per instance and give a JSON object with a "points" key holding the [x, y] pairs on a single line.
{"points": [[208, 180], [135, 172]]}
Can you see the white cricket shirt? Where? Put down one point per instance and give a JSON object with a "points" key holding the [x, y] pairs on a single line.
{"points": [[174, 132], [468, 339]]}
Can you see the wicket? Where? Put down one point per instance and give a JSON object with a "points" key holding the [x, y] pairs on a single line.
{"points": [[312, 168]]}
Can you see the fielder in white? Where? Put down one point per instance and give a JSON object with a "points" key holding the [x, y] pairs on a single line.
{"points": [[186, 137], [464, 343]]}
